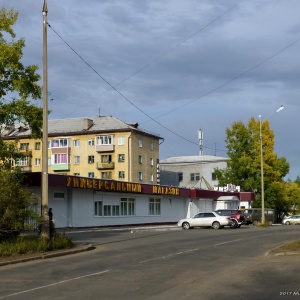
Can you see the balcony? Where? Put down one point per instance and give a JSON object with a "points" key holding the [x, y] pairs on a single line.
{"points": [[60, 167], [26, 152], [105, 166], [26, 169], [105, 148]]}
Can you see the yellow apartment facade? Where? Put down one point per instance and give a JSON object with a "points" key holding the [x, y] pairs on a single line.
{"points": [[97, 147]]}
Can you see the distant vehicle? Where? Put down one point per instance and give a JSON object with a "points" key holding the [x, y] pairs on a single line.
{"points": [[253, 216], [205, 219], [291, 220], [237, 216]]}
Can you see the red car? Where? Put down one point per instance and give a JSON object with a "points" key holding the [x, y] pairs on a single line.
{"points": [[237, 216]]}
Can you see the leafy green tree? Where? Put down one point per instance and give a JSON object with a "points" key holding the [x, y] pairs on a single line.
{"points": [[297, 180], [18, 89], [244, 166], [17, 205], [18, 83], [293, 193]]}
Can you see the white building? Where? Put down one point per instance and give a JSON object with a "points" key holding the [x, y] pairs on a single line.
{"points": [[191, 171], [91, 202]]}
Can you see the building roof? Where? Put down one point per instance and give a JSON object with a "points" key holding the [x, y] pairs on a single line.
{"points": [[81, 125], [183, 160]]}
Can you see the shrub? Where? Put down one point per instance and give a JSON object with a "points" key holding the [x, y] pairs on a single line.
{"points": [[31, 244]]}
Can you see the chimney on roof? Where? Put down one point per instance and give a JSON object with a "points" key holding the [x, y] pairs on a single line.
{"points": [[88, 123]]}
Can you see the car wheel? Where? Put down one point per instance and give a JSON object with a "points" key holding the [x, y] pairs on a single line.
{"points": [[234, 224], [287, 223], [186, 225], [255, 222], [216, 225]]}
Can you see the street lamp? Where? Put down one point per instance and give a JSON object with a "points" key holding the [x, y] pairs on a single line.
{"points": [[262, 164]]}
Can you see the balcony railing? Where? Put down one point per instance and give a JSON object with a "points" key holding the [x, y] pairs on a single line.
{"points": [[105, 166], [105, 148]]}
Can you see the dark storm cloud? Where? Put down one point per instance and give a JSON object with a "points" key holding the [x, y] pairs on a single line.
{"points": [[200, 64]]}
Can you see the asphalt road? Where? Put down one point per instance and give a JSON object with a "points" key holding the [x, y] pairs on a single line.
{"points": [[165, 264]]}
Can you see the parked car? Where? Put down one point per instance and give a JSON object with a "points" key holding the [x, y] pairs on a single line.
{"points": [[291, 220], [237, 216], [253, 216], [205, 219]]}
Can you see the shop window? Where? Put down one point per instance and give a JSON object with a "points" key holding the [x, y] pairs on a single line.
{"points": [[154, 207]]}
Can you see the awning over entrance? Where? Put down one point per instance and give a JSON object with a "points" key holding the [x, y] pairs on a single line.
{"points": [[228, 198]]}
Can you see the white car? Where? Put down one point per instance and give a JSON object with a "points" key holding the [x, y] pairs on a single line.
{"points": [[291, 220], [205, 219]]}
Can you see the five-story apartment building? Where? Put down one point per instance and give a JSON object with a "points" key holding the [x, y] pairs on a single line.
{"points": [[99, 147]]}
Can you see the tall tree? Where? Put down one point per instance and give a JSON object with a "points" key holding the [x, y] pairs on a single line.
{"points": [[293, 193], [18, 89], [244, 166], [18, 83]]}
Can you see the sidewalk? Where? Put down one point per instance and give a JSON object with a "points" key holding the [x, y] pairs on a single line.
{"points": [[35, 256], [133, 228], [78, 247]]}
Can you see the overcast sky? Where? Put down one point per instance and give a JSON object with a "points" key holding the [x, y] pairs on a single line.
{"points": [[178, 66]]}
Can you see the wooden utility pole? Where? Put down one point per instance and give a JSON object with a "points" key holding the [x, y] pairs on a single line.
{"points": [[45, 230]]}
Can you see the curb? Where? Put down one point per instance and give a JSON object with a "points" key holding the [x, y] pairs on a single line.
{"points": [[156, 229], [49, 255]]}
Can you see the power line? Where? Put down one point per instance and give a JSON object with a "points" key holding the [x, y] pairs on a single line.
{"points": [[198, 98], [117, 91], [144, 67]]}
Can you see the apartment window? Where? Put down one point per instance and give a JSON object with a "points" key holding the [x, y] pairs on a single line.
{"points": [[121, 141], [24, 161], [140, 176], [91, 174], [105, 175], [154, 207], [76, 174], [151, 162], [195, 176], [213, 176], [180, 176], [151, 177], [76, 143], [105, 140], [91, 159], [61, 158], [76, 160], [121, 157], [106, 158], [98, 208], [127, 207], [37, 161], [121, 174], [24, 146], [91, 143], [37, 146], [151, 146], [59, 143], [140, 143], [140, 159]]}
